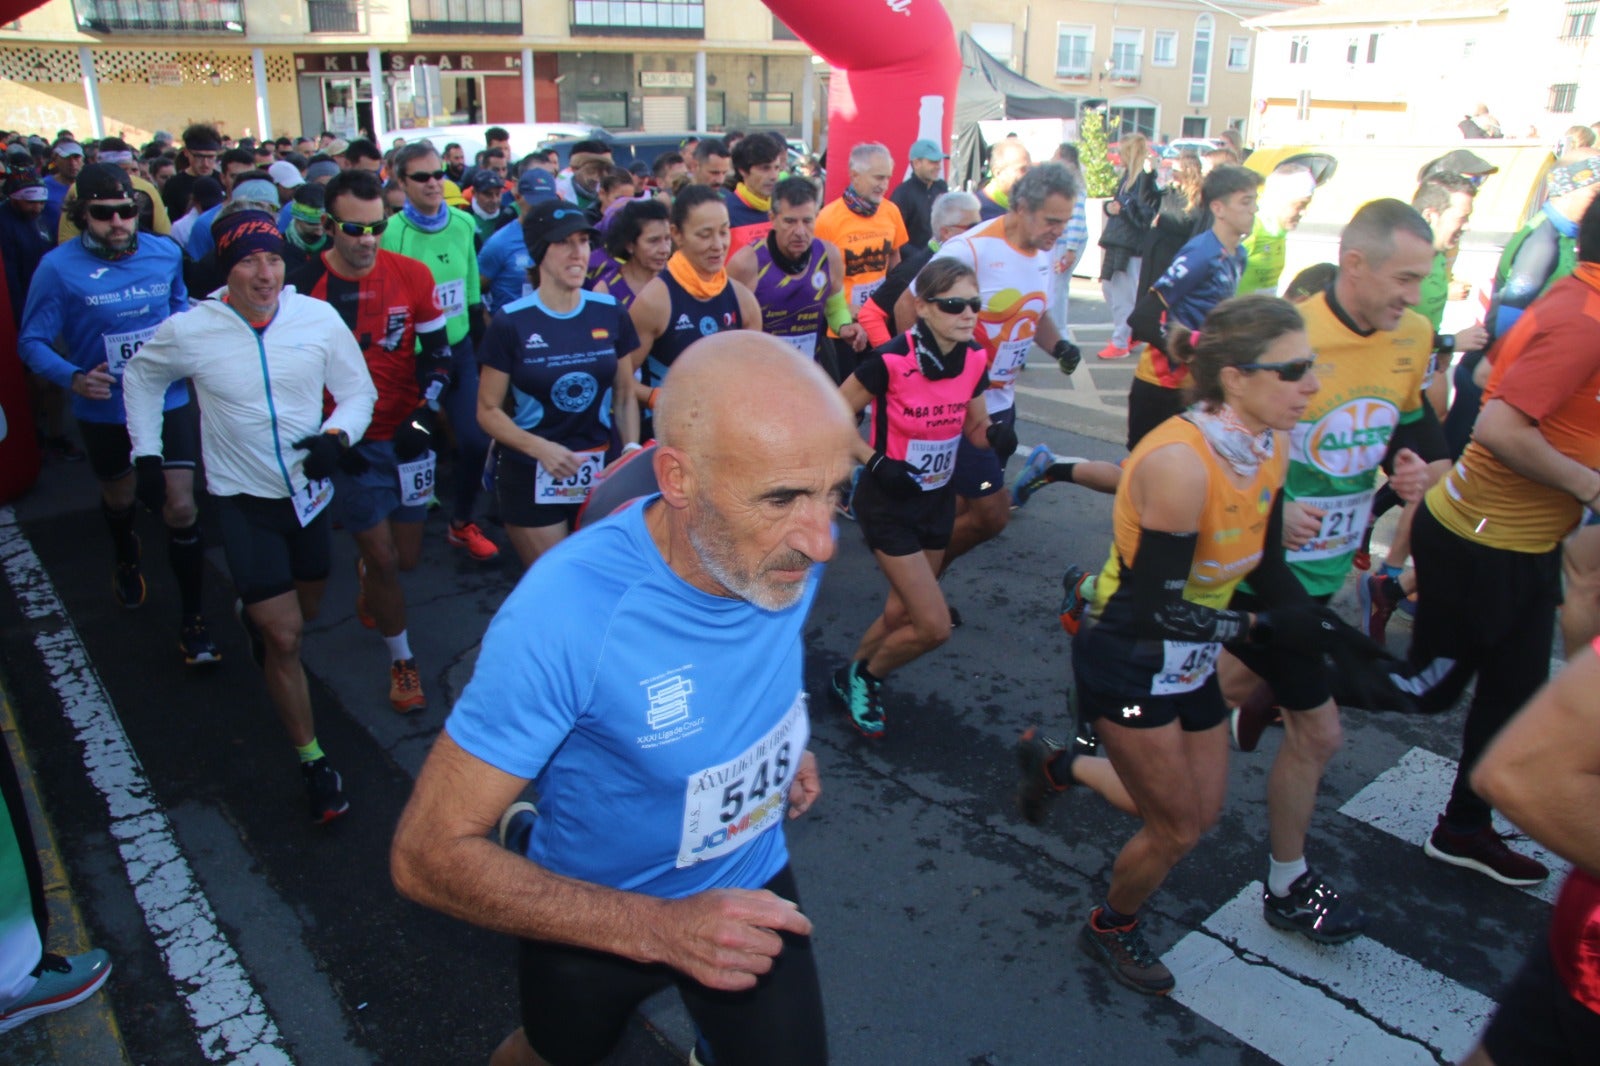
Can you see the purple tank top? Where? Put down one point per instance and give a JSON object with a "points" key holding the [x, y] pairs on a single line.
{"points": [[791, 304]]}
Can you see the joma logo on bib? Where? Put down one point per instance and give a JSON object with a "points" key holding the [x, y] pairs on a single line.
{"points": [[1350, 439]]}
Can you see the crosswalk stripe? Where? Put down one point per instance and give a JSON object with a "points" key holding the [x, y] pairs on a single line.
{"points": [[1405, 800], [1304, 1004]]}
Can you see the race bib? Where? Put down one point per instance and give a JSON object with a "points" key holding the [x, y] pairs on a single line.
{"points": [[452, 296], [120, 347], [726, 807], [547, 488], [416, 480], [805, 344], [863, 291], [1184, 667], [1344, 523], [933, 460], [1008, 360], [311, 500]]}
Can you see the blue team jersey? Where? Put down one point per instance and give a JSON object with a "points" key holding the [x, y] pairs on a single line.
{"points": [[104, 310], [662, 725], [561, 367], [689, 319], [1201, 276], [503, 264]]}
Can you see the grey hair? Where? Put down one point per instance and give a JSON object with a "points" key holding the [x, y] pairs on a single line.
{"points": [[1042, 182], [947, 208], [861, 156], [1371, 232]]}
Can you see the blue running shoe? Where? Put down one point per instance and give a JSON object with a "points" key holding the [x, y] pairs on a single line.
{"points": [[1031, 479], [860, 696]]}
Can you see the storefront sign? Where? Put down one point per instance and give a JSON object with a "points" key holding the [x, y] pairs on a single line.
{"points": [[169, 74], [666, 79], [402, 62]]}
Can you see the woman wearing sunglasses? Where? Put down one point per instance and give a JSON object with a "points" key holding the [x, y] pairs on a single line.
{"points": [[1199, 509], [926, 389]]}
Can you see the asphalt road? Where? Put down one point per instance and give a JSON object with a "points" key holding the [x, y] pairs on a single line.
{"points": [[945, 926]]}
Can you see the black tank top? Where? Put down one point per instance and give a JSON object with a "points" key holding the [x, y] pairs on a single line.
{"points": [[689, 320]]}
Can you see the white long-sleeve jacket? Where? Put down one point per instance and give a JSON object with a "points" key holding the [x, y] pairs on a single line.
{"points": [[259, 392]]}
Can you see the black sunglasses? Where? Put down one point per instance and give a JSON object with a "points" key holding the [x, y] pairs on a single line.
{"points": [[106, 212], [1293, 370], [360, 229], [420, 176], [954, 305]]}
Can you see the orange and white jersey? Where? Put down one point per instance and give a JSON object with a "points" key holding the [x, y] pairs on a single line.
{"points": [[1014, 284]]}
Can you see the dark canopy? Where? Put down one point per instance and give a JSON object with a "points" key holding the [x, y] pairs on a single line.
{"points": [[990, 90]]}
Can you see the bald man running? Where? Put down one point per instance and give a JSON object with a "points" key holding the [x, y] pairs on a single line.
{"points": [[665, 727]]}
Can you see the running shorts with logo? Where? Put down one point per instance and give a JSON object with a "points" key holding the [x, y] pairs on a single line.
{"points": [[267, 549], [919, 420], [1123, 672], [111, 452], [562, 368], [791, 304]]}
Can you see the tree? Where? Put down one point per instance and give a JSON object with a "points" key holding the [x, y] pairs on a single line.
{"points": [[1099, 175]]}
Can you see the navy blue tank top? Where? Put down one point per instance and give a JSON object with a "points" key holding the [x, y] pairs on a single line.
{"points": [[689, 320]]}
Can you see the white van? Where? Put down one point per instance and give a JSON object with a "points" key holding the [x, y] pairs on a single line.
{"points": [[525, 136]]}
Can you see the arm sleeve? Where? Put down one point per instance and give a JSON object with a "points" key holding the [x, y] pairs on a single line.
{"points": [[157, 364], [41, 323], [1157, 581], [1272, 579], [347, 379]]}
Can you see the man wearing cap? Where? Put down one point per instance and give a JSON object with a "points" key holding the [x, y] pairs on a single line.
{"points": [[261, 357], [287, 177], [153, 216], [103, 295], [66, 160], [758, 159], [503, 260], [1285, 198], [23, 238], [915, 196], [304, 238], [202, 144], [589, 160], [487, 211]]}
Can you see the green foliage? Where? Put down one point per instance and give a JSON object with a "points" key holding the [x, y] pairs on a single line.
{"points": [[1098, 173]]}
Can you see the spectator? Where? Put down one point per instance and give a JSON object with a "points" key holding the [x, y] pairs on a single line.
{"points": [[362, 154], [915, 196]]}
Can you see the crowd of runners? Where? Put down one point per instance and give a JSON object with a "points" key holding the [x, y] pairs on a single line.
{"points": [[719, 371]]}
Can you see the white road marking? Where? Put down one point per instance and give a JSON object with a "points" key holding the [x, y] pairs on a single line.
{"points": [[230, 1019], [1406, 799], [1304, 1004]]}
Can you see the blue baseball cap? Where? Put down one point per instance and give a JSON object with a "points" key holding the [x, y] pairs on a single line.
{"points": [[536, 186], [927, 149]]}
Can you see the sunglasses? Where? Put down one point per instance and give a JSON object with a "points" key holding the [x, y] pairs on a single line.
{"points": [[1293, 370], [954, 305], [359, 229], [107, 212], [423, 176]]}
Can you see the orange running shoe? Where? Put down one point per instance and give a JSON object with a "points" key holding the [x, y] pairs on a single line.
{"points": [[470, 537], [405, 687]]}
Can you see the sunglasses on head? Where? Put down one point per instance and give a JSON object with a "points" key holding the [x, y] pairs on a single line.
{"points": [[1293, 370], [359, 229], [954, 305], [421, 176], [106, 212]]}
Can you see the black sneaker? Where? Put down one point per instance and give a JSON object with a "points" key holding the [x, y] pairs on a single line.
{"points": [[1035, 785], [258, 646], [127, 580], [1484, 849], [1126, 954], [861, 698], [1313, 908], [194, 640], [325, 788]]}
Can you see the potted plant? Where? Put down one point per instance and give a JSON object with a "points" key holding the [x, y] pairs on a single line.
{"points": [[1100, 181]]}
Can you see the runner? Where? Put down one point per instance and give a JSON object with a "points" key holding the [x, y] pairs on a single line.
{"points": [[711, 163], [202, 144], [503, 260], [103, 295], [1008, 160], [560, 354], [757, 159], [891, 308], [702, 593], [489, 213], [797, 279], [387, 303], [260, 358], [926, 389], [442, 240], [1285, 199], [641, 243], [864, 227], [1200, 508]]}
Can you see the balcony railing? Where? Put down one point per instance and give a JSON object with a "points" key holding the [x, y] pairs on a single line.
{"points": [[160, 16], [467, 17], [638, 18], [333, 16]]}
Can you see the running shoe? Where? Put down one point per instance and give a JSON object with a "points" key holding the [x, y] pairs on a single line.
{"points": [[516, 826], [1313, 908], [325, 789], [846, 507], [862, 698], [1031, 479], [405, 687], [1484, 850], [1362, 560], [1111, 351], [1377, 606], [1251, 718], [470, 537], [1127, 955], [1074, 597], [61, 982], [127, 580], [194, 640], [258, 646], [362, 614], [1036, 786]]}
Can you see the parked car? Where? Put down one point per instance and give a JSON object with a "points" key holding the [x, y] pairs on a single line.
{"points": [[1197, 145], [525, 136]]}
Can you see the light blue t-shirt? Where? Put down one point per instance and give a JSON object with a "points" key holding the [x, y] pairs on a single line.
{"points": [[663, 725], [503, 264]]}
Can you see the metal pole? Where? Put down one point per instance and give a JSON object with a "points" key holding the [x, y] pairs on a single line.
{"points": [[379, 105], [528, 109], [258, 70], [700, 91], [91, 91]]}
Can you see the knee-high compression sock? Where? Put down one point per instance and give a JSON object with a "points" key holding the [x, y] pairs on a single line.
{"points": [[120, 524], [187, 556]]}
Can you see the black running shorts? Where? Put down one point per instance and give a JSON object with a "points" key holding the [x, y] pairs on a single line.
{"points": [[979, 471], [111, 452], [576, 1003], [267, 549], [903, 527], [1195, 711], [514, 485], [1299, 680]]}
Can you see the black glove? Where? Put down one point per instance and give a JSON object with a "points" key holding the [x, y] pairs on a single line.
{"points": [[1067, 355], [324, 453], [896, 477], [1309, 627], [151, 484], [1003, 439], [434, 386], [414, 436]]}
